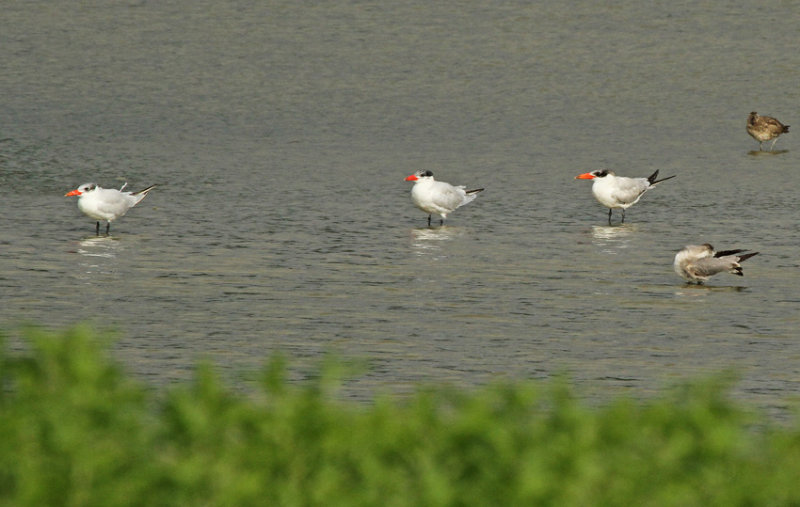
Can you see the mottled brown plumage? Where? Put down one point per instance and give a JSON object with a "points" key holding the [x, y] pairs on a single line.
{"points": [[764, 128]]}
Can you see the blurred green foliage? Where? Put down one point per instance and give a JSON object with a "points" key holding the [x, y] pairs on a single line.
{"points": [[75, 430]]}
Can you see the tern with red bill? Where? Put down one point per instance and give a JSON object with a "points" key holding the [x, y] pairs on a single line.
{"points": [[106, 203], [697, 263], [614, 191], [438, 197]]}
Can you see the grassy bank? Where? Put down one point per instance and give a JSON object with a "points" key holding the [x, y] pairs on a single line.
{"points": [[75, 430]]}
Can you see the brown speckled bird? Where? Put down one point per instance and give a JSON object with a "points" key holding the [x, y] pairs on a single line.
{"points": [[764, 128]]}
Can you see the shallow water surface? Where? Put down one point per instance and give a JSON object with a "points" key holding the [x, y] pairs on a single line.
{"points": [[280, 134]]}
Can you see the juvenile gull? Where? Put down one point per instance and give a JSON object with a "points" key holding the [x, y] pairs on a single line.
{"points": [[697, 263]]}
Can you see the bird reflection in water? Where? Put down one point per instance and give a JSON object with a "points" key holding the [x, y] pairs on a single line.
{"points": [[611, 238], [696, 290], [427, 241], [103, 246], [99, 255]]}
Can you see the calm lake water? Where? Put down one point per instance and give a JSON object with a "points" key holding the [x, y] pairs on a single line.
{"points": [[280, 134]]}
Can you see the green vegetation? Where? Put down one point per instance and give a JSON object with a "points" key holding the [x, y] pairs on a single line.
{"points": [[75, 430]]}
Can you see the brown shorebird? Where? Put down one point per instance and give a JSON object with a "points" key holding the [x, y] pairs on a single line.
{"points": [[764, 128]]}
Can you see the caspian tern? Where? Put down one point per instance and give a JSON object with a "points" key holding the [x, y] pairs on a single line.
{"points": [[433, 196], [106, 203], [764, 128], [614, 191], [697, 263]]}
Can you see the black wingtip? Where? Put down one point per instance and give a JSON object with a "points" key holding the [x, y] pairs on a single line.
{"points": [[654, 181], [747, 256], [475, 191], [723, 253], [145, 190]]}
